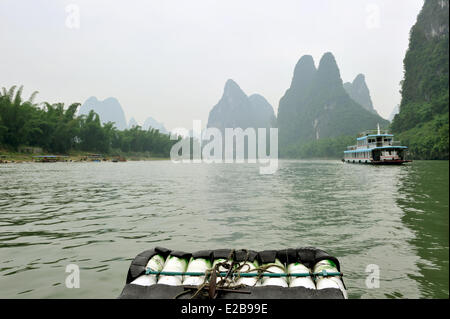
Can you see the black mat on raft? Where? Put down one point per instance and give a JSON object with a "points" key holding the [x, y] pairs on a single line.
{"points": [[160, 291]]}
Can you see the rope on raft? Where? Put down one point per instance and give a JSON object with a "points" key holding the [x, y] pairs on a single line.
{"points": [[324, 273]]}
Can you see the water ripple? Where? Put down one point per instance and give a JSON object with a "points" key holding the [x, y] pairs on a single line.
{"points": [[99, 216]]}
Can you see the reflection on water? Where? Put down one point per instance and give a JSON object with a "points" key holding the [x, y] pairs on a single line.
{"points": [[424, 200], [100, 215]]}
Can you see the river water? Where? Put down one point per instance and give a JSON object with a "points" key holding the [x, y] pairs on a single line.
{"points": [[100, 215]]}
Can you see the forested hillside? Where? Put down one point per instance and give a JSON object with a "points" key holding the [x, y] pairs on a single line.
{"points": [[317, 107], [422, 123]]}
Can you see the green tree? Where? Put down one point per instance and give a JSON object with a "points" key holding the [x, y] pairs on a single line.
{"points": [[57, 129]]}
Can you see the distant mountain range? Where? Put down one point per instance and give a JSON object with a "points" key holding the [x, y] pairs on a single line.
{"points": [[110, 110], [132, 123], [394, 112], [359, 92], [317, 106], [151, 122], [236, 109]]}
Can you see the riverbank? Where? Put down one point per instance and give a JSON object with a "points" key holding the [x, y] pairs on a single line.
{"points": [[17, 157]]}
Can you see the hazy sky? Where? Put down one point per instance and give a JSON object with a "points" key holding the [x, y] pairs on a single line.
{"points": [[170, 59]]}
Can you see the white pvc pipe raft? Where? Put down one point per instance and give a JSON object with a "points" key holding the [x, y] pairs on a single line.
{"points": [[248, 267], [291, 278], [301, 275], [196, 265], [156, 263], [277, 268], [263, 273], [173, 264], [329, 282], [298, 268]]}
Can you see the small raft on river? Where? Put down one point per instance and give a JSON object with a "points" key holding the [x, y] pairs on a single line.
{"points": [[302, 273]]}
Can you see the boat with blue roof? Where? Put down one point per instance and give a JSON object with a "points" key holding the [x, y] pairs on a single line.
{"points": [[376, 147]]}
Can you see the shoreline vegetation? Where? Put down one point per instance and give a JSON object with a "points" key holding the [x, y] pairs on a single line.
{"points": [[29, 129], [7, 156]]}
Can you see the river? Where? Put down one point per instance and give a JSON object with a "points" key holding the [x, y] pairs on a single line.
{"points": [[100, 215]]}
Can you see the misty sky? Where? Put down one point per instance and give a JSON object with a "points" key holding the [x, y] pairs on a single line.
{"points": [[170, 59]]}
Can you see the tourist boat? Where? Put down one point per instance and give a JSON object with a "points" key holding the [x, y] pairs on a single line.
{"points": [[376, 147]]}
